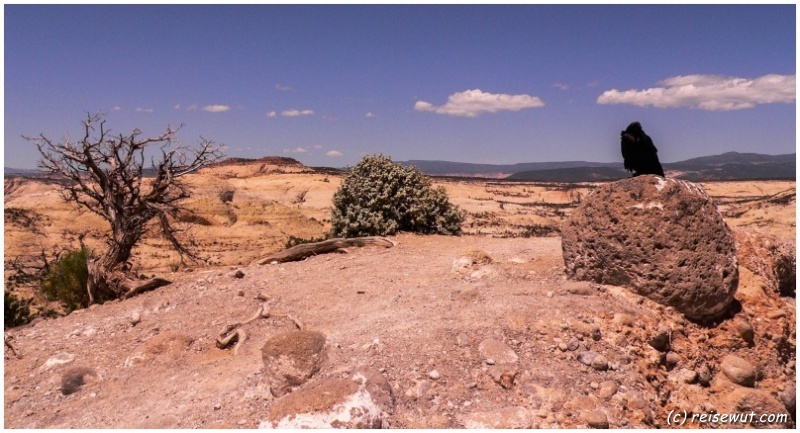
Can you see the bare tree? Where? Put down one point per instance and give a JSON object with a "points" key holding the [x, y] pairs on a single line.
{"points": [[105, 174]]}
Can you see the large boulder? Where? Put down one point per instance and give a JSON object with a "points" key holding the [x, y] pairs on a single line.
{"points": [[662, 238]]}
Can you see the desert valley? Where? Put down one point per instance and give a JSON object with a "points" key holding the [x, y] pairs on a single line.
{"points": [[478, 330]]}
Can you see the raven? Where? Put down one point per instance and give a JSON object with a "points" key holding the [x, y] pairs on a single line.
{"points": [[639, 153]]}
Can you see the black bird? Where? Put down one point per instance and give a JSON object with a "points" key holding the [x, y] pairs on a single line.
{"points": [[638, 152]]}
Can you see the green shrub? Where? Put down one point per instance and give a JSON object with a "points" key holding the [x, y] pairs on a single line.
{"points": [[379, 197], [16, 311], [66, 279]]}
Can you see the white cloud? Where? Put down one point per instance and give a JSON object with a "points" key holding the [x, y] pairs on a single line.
{"points": [[290, 113], [471, 103], [561, 86], [334, 153], [709, 92], [116, 108], [295, 113], [296, 150], [144, 110], [216, 108], [283, 88], [192, 107], [318, 146], [371, 114], [177, 106]]}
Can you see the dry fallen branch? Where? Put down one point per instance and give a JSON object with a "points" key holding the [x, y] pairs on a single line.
{"points": [[302, 251]]}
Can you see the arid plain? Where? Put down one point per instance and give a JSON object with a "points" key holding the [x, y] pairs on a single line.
{"points": [[419, 313]]}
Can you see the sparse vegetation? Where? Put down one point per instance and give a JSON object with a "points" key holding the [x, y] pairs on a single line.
{"points": [[300, 197], [379, 197], [226, 196], [65, 281], [105, 176], [24, 218], [16, 311]]}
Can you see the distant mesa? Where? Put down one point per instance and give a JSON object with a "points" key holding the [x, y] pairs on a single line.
{"points": [[727, 166], [279, 161]]}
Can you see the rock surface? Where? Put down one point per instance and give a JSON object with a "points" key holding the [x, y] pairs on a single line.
{"points": [[291, 358], [359, 402], [769, 256], [739, 370], [505, 418], [662, 238]]}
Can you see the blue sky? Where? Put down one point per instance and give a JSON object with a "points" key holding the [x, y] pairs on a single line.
{"points": [[327, 84]]}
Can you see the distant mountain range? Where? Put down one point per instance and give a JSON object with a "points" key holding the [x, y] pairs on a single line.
{"points": [[728, 166]]}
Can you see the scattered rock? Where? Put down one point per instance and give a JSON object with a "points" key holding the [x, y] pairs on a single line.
{"points": [[504, 375], [573, 345], [74, 378], [135, 318], [776, 314], [238, 275], [497, 351], [586, 357], [607, 389], [506, 418], [361, 402], [789, 397], [61, 358], [600, 363], [745, 330], [434, 375], [739, 370], [594, 360], [660, 340], [596, 419], [704, 375], [671, 360], [291, 358], [684, 375], [737, 399], [662, 238]]}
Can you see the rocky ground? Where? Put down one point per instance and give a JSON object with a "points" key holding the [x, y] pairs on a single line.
{"points": [[482, 330], [451, 332]]}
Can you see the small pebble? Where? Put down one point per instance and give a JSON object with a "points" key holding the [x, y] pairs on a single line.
{"points": [[739, 370], [434, 375], [596, 419], [490, 361]]}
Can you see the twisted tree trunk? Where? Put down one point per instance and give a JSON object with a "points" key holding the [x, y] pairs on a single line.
{"points": [[299, 252]]}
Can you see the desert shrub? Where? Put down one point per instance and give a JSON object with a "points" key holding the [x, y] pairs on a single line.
{"points": [[226, 196], [66, 280], [379, 197], [16, 311], [22, 217]]}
